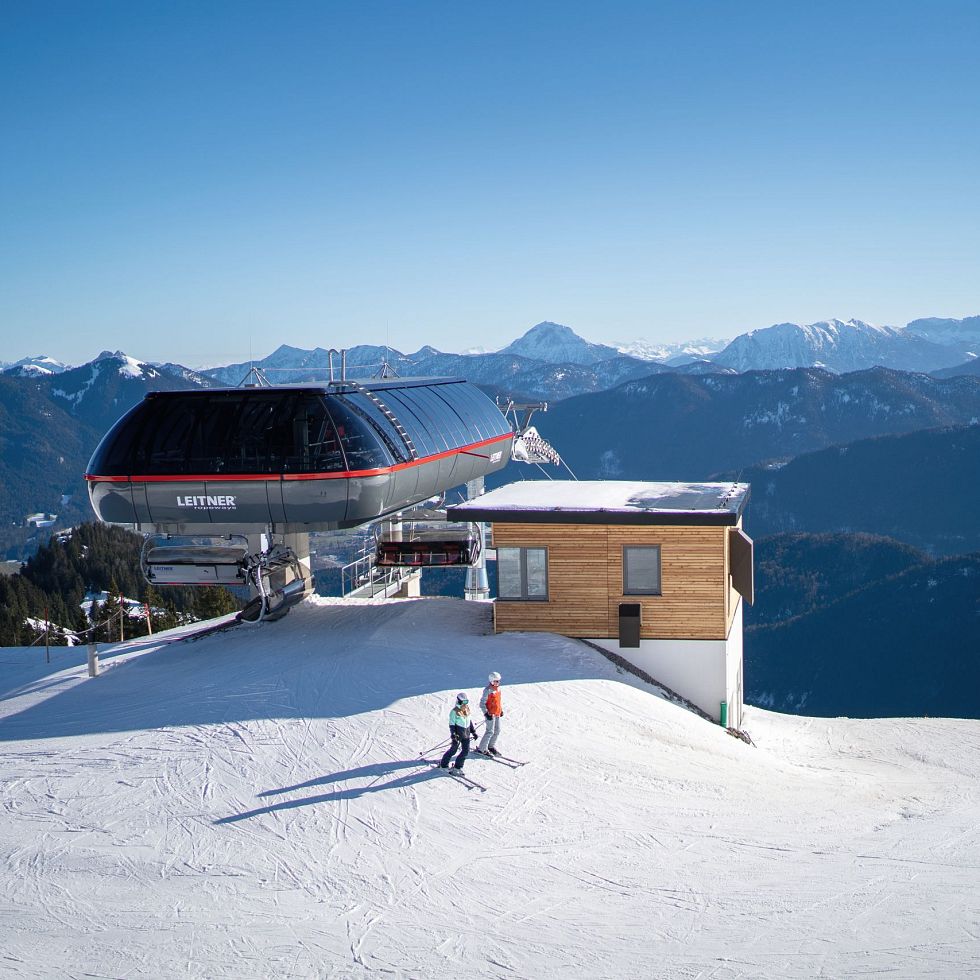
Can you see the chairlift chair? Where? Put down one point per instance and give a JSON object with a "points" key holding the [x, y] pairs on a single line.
{"points": [[426, 546]]}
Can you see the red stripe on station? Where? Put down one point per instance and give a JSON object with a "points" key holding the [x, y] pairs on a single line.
{"points": [[270, 477]]}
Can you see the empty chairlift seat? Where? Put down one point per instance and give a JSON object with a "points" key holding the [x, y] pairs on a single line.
{"points": [[428, 547], [200, 560]]}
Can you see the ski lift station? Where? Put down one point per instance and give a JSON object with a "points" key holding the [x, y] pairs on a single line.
{"points": [[653, 572], [226, 485]]}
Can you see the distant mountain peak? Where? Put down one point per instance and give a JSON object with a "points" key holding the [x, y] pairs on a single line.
{"points": [[550, 328], [126, 365], [558, 344], [37, 366]]}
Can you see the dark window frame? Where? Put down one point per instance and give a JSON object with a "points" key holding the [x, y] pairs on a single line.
{"points": [[524, 596], [660, 570]]}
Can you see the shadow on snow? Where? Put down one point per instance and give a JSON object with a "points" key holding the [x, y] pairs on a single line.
{"points": [[321, 661], [375, 771]]}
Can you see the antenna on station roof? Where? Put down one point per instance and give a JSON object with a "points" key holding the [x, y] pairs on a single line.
{"points": [[386, 370], [254, 379]]}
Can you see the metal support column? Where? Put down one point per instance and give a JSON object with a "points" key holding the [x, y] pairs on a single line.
{"points": [[477, 584]]}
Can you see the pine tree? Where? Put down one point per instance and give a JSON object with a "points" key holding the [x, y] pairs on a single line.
{"points": [[214, 601]]}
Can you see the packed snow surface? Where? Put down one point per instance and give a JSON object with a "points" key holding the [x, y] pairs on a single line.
{"points": [[252, 804]]}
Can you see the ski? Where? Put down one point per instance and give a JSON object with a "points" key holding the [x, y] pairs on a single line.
{"points": [[502, 759], [506, 759], [466, 780], [461, 776]]}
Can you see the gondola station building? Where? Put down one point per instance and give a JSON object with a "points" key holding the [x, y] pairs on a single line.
{"points": [[653, 572]]}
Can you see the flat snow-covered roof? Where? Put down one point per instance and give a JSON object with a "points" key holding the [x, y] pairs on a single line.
{"points": [[607, 502]]}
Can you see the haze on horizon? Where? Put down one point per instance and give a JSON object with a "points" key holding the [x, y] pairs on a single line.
{"points": [[201, 183]]}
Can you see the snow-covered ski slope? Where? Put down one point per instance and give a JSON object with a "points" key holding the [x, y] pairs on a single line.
{"points": [[251, 804]]}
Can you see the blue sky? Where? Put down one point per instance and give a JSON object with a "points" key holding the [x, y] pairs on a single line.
{"points": [[200, 182]]}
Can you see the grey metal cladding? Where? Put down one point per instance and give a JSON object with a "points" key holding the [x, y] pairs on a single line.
{"points": [[368, 497], [427, 440], [477, 410], [315, 501], [274, 490], [113, 502]]}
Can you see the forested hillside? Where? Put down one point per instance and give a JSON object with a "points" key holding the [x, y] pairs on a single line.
{"points": [[49, 427], [907, 644], [95, 558], [920, 488], [43, 450], [797, 573]]}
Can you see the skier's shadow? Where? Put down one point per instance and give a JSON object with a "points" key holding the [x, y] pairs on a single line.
{"points": [[377, 771]]}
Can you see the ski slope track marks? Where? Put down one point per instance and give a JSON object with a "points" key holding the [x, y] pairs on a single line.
{"points": [[254, 804]]}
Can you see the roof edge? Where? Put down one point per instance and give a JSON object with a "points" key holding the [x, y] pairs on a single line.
{"points": [[672, 518]]}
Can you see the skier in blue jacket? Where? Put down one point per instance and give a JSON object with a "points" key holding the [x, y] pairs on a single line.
{"points": [[460, 730]]}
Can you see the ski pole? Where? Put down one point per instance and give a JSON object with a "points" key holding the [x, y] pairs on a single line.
{"points": [[438, 745]]}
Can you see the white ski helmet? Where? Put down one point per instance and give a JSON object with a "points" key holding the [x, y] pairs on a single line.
{"points": [[461, 698], [494, 678]]}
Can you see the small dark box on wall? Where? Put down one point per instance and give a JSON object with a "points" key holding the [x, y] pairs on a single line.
{"points": [[629, 624]]}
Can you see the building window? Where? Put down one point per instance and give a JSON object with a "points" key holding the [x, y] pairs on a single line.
{"points": [[641, 570], [522, 573]]}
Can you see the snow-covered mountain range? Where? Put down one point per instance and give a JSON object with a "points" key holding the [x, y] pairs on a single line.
{"points": [[673, 354], [549, 362], [840, 346], [853, 345], [255, 804], [103, 389]]}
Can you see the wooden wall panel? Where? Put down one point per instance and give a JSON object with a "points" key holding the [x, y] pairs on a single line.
{"points": [[576, 603], [585, 584]]}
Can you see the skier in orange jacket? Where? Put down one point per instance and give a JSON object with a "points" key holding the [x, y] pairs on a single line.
{"points": [[490, 705]]}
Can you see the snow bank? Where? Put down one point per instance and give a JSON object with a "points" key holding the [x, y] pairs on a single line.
{"points": [[251, 804]]}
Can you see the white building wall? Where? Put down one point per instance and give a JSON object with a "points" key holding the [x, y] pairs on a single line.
{"points": [[705, 672], [734, 670]]}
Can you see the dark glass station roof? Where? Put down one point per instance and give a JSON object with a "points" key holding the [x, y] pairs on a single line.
{"points": [[296, 429]]}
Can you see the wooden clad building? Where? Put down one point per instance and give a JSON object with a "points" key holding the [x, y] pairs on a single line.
{"points": [[655, 572]]}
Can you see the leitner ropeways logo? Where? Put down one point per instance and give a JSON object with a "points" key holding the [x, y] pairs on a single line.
{"points": [[202, 502]]}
